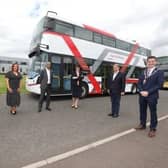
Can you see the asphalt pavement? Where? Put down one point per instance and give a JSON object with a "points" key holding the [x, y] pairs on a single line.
{"points": [[30, 136]]}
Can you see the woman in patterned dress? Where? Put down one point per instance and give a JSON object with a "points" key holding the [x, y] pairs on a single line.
{"points": [[13, 83]]}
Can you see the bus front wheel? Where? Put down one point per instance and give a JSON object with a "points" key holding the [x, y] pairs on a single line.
{"points": [[84, 88]]}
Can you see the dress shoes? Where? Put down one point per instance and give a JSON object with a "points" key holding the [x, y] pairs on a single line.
{"points": [[152, 133], [140, 127], [110, 114], [48, 108], [115, 115]]}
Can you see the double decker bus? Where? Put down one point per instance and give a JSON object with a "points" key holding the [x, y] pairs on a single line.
{"points": [[65, 44], [163, 65]]}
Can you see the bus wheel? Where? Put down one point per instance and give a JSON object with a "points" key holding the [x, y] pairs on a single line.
{"points": [[84, 88], [134, 89]]}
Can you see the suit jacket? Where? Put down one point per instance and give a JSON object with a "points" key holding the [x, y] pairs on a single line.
{"points": [[118, 84], [44, 79], [152, 84]]}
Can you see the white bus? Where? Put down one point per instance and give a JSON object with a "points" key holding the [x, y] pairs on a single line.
{"points": [[65, 44]]}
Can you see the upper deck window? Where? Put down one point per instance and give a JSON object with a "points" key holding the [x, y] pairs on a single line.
{"points": [[142, 51], [108, 41], [97, 38], [64, 28], [83, 34], [123, 45]]}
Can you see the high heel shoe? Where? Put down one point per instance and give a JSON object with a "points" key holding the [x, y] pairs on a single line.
{"points": [[13, 112], [73, 106], [76, 107]]}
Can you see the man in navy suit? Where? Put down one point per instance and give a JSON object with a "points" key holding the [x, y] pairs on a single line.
{"points": [[45, 86], [116, 84], [150, 81]]}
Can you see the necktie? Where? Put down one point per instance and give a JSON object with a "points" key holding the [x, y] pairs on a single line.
{"points": [[148, 73]]}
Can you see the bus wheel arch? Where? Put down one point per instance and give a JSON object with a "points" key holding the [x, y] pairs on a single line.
{"points": [[85, 89]]}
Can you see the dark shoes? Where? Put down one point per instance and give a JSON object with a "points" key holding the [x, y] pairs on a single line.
{"points": [[113, 115], [140, 127], [48, 108], [152, 133]]}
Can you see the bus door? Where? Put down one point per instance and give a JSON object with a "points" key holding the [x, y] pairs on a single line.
{"points": [[67, 72], [61, 74]]}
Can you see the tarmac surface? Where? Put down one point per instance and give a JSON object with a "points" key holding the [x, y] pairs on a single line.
{"points": [[30, 136]]}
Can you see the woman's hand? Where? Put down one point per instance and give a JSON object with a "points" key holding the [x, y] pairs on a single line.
{"points": [[18, 90], [10, 90]]}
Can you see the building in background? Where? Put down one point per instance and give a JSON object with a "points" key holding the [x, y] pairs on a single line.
{"points": [[6, 62]]}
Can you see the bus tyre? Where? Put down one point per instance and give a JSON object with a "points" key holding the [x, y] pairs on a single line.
{"points": [[84, 88], [134, 89]]}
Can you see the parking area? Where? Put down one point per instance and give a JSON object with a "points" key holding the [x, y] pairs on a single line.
{"points": [[31, 136]]}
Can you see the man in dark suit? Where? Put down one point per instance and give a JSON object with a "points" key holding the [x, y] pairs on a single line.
{"points": [[45, 86], [150, 81], [116, 84]]}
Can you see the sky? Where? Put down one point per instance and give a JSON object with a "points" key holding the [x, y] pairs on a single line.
{"points": [[143, 21]]}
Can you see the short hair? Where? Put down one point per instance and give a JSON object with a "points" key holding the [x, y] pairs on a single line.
{"points": [[77, 65], [151, 57], [12, 67], [116, 65], [48, 63]]}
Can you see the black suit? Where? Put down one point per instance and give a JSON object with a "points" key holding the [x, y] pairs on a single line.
{"points": [[116, 86], [45, 88]]}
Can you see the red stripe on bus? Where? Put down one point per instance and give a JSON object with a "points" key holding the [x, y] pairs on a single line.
{"points": [[130, 57], [79, 58], [82, 62], [98, 31], [131, 80]]}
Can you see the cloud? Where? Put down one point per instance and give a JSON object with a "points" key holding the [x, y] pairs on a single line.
{"points": [[142, 21]]}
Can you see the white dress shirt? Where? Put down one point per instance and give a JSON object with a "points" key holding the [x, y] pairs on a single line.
{"points": [[49, 76], [149, 71], [115, 74]]}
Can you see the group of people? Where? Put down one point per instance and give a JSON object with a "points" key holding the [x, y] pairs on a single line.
{"points": [[149, 83]]}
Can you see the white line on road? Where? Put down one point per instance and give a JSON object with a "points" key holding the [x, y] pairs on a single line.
{"points": [[84, 148]]}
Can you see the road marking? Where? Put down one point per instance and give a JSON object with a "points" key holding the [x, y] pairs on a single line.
{"points": [[84, 148]]}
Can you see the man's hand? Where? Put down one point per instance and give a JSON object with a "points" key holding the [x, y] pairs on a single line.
{"points": [[144, 93]]}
